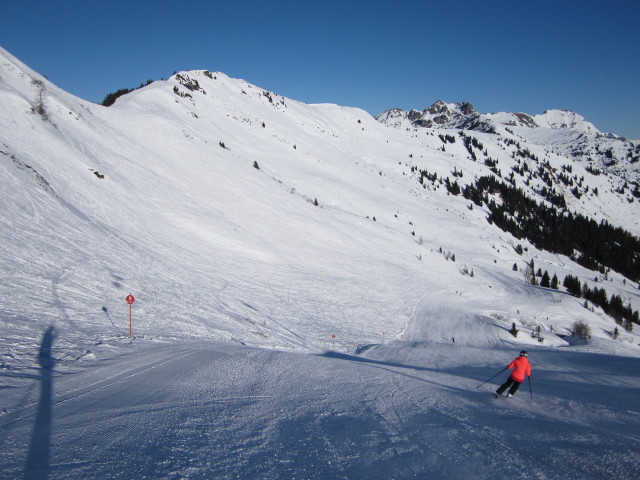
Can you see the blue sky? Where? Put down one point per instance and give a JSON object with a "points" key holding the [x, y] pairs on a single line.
{"points": [[499, 55]]}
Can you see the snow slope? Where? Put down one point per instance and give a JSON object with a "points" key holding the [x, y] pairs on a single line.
{"points": [[198, 195], [203, 410]]}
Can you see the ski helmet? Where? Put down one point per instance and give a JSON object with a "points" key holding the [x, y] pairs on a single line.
{"points": [[523, 353]]}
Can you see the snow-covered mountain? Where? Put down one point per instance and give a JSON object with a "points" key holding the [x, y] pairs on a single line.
{"points": [[440, 114], [563, 132], [463, 115], [236, 215], [565, 119]]}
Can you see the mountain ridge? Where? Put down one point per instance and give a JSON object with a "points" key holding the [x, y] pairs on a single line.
{"points": [[460, 114], [565, 132]]}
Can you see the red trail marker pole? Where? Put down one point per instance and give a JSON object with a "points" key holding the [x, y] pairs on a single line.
{"points": [[130, 299]]}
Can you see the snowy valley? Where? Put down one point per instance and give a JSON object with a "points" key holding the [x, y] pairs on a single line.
{"points": [[318, 293]]}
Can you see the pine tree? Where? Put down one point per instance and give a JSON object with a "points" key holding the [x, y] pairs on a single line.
{"points": [[514, 330], [586, 293], [573, 285], [537, 334], [546, 281], [628, 325]]}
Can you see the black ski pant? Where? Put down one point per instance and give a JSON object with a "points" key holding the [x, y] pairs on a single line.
{"points": [[509, 383]]}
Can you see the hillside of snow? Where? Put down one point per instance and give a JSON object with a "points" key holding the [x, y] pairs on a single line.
{"points": [[562, 134], [305, 305]]}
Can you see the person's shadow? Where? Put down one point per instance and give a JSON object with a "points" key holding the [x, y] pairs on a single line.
{"points": [[37, 463]]}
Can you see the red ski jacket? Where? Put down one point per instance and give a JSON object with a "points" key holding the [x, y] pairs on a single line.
{"points": [[521, 367]]}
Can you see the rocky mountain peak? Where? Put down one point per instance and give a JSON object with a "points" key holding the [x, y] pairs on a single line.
{"points": [[440, 114], [444, 113]]}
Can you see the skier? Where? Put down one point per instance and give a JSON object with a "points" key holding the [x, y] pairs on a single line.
{"points": [[521, 367]]}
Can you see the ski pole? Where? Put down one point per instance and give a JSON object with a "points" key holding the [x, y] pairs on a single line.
{"points": [[492, 377], [530, 390]]}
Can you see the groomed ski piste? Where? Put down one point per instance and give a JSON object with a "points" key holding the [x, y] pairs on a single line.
{"points": [[273, 337]]}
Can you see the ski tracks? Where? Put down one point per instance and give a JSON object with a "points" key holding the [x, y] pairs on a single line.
{"points": [[76, 392]]}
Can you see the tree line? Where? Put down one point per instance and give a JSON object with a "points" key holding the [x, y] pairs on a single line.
{"points": [[111, 98], [622, 314], [596, 246]]}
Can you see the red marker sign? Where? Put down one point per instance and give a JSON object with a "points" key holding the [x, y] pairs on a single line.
{"points": [[130, 299]]}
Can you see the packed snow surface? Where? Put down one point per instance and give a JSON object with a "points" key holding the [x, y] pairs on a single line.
{"points": [[304, 306], [411, 409]]}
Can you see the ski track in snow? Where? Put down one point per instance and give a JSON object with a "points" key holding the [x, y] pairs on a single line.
{"points": [[202, 410]]}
